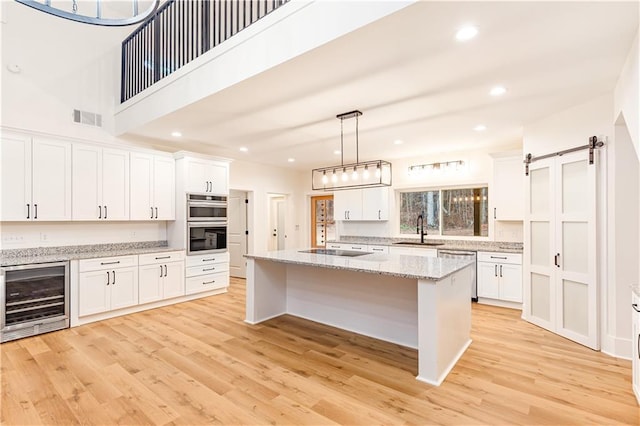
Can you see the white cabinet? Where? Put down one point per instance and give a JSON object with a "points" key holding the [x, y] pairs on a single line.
{"points": [[152, 187], [161, 276], [100, 183], [414, 251], [500, 276], [378, 249], [107, 284], [369, 204], [207, 272], [36, 179], [635, 343], [507, 194], [204, 176]]}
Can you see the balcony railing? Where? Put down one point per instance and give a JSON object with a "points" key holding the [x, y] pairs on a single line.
{"points": [[179, 32]]}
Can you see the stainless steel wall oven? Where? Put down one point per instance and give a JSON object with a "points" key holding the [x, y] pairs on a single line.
{"points": [[206, 208], [34, 299], [206, 237]]}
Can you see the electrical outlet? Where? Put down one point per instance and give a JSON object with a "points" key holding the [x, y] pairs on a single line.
{"points": [[43, 236]]}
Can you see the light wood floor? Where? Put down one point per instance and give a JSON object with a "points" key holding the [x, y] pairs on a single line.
{"points": [[198, 363]]}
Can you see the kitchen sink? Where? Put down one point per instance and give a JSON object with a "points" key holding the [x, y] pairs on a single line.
{"points": [[417, 243]]}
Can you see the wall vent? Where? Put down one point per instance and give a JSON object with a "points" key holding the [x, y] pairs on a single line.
{"points": [[86, 117]]}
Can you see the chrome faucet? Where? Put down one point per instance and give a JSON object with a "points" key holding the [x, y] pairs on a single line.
{"points": [[420, 228]]}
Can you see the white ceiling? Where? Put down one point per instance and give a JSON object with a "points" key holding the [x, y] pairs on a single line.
{"points": [[414, 82]]}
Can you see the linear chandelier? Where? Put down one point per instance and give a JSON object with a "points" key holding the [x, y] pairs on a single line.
{"points": [[361, 174]]}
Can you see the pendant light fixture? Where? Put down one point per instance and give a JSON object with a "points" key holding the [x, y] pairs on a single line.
{"points": [[365, 174]]}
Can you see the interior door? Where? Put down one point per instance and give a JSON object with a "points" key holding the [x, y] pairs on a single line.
{"points": [[560, 247], [539, 297], [576, 289], [323, 226], [237, 233]]}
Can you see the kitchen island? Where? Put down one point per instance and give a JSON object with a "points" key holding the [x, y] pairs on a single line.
{"points": [[418, 302]]}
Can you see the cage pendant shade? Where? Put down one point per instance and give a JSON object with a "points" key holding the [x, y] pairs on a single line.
{"points": [[361, 174]]}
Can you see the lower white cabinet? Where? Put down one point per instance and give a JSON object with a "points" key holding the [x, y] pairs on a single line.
{"points": [[107, 284], [161, 276], [500, 276], [207, 272], [378, 249]]}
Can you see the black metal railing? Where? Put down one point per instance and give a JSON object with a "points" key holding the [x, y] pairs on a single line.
{"points": [[179, 32]]}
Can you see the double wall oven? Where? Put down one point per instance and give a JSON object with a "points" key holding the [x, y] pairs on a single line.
{"points": [[34, 299], [206, 223]]}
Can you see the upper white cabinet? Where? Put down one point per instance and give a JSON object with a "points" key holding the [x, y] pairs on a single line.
{"points": [[100, 183], [205, 176], [36, 179], [152, 187], [508, 188], [369, 204]]}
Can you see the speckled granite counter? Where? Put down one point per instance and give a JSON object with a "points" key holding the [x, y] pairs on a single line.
{"points": [[90, 251], [430, 268], [496, 246]]}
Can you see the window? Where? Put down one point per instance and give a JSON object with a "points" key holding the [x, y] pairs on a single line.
{"points": [[459, 212]]}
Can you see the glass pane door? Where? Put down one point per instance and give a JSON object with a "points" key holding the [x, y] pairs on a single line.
{"points": [[323, 226]]}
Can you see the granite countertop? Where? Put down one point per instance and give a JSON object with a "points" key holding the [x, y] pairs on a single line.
{"points": [[494, 246], [414, 267], [90, 251]]}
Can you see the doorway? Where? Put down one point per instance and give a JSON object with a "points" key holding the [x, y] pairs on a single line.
{"points": [[237, 234], [323, 225], [277, 215]]}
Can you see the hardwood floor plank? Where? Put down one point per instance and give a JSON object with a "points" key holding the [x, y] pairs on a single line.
{"points": [[198, 363]]}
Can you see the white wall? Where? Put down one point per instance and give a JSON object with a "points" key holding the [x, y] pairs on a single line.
{"points": [[47, 234], [261, 181], [573, 127], [627, 94]]}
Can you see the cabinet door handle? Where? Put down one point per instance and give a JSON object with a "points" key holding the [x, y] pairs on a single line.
{"points": [[638, 345], [499, 257], [500, 271], [114, 278], [635, 307], [209, 282], [110, 263], [209, 260], [379, 214], [160, 271], [165, 270], [35, 215], [556, 260], [28, 211], [495, 270], [105, 212], [163, 257], [156, 212], [151, 212], [494, 212], [108, 278], [208, 269], [100, 212]]}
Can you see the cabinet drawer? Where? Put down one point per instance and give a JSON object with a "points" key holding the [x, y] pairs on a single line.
{"points": [[378, 249], [207, 282], [495, 257], [162, 257], [354, 247], [209, 269], [336, 246], [105, 263], [205, 259]]}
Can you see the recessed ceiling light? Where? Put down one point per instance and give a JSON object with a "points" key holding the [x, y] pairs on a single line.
{"points": [[498, 91], [244, 149], [398, 142], [176, 134], [291, 160], [466, 33], [480, 128], [337, 152]]}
